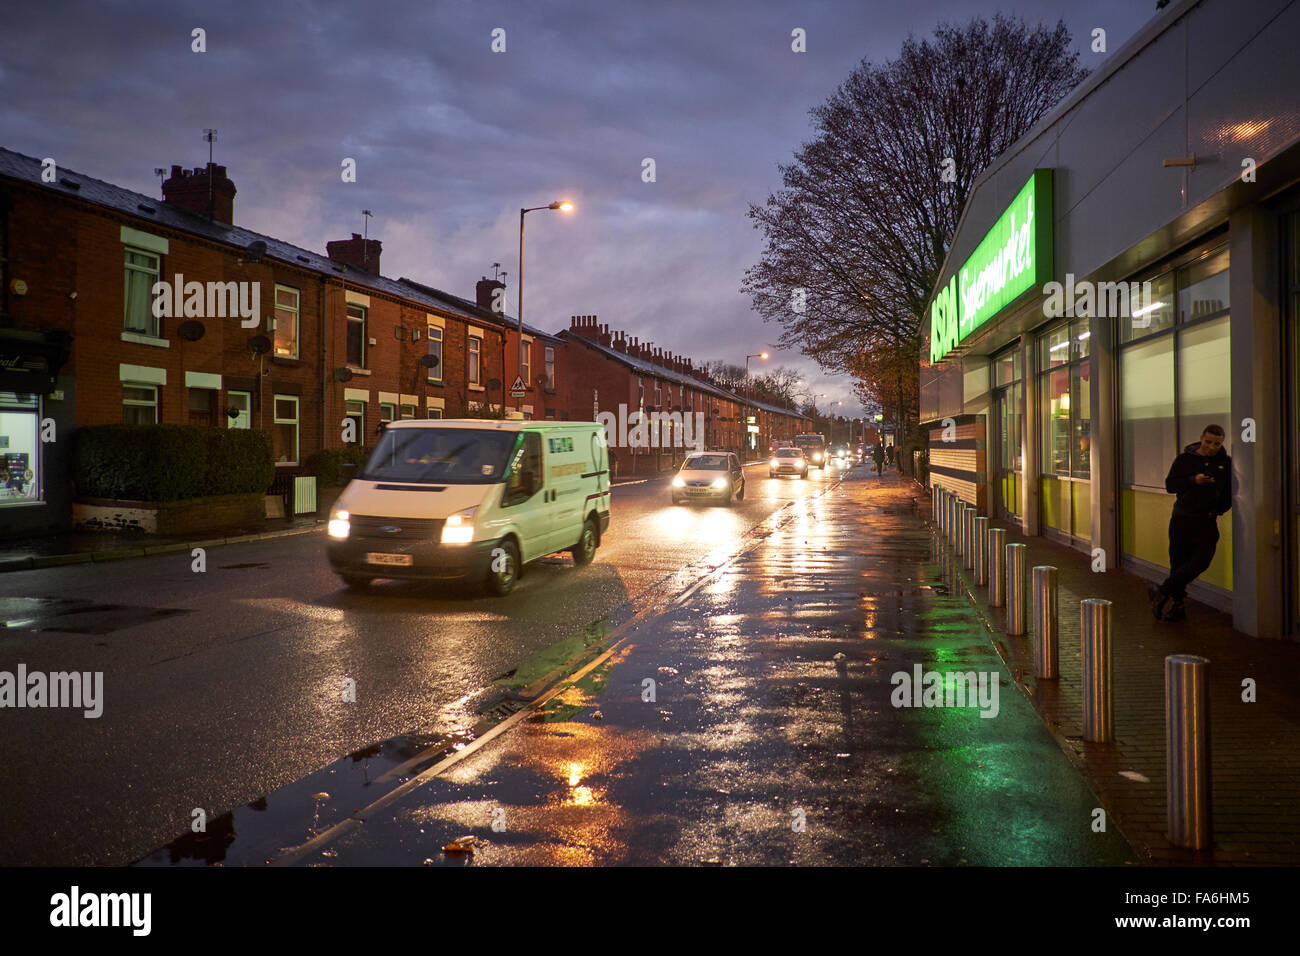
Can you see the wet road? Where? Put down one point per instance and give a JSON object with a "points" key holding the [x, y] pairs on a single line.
{"points": [[774, 735], [224, 686]]}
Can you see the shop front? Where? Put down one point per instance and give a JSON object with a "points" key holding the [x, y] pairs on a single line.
{"points": [[29, 367]]}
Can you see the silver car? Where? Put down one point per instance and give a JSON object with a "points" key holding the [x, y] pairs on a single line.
{"points": [[788, 461], [709, 476]]}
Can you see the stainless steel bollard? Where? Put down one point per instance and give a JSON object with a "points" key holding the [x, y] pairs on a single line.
{"points": [[1016, 589], [969, 551], [961, 529], [1098, 705], [1047, 658], [953, 502], [981, 549], [1187, 750], [997, 567]]}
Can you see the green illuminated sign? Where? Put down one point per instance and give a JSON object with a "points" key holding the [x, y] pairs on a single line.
{"points": [[1013, 257]]}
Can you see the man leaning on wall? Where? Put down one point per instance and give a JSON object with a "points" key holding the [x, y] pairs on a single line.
{"points": [[1201, 477]]}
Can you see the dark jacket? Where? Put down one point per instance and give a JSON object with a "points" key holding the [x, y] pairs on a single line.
{"points": [[1200, 500]]}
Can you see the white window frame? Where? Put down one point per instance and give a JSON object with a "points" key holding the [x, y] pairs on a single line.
{"points": [[474, 360], [549, 356], [295, 313], [526, 361], [436, 374], [435, 413], [362, 320], [360, 415], [135, 403], [152, 324], [276, 419]]}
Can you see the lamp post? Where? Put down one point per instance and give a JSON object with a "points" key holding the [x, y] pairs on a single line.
{"points": [[566, 206], [761, 355]]}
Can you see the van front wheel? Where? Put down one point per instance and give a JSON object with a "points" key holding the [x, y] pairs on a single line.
{"points": [[585, 550], [503, 569]]}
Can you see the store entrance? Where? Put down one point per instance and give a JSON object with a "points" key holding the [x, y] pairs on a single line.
{"points": [[1008, 406]]}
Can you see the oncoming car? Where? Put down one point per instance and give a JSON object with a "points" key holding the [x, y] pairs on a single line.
{"points": [[712, 475], [788, 461], [472, 499]]}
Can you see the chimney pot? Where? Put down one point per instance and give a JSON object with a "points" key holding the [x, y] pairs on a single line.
{"points": [[361, 253]]}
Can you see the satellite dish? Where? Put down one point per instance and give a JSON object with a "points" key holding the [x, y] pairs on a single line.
{"points": [[343, 374], [259, 345], [190, 331], [429, 361], [254, 251]]}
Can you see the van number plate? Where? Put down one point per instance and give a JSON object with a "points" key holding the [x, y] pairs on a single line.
{"points": [[404, 560]]}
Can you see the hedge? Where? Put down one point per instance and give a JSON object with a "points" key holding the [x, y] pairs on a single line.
{"points": [[169, 462], [327, 465]]}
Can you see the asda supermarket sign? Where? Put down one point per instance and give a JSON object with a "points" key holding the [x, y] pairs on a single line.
{"points": [[1013, 257]]}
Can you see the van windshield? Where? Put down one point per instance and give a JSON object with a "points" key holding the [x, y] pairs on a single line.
{"points": [[462, 456]]}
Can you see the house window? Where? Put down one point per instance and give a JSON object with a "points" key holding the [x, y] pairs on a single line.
{"points": [[435, 413], [142, 270], [434, 372], [356, 412], [408, 411], [241, 402], [357, 335], [284, 437], [139, 404], [286, 321], [525, 350], [550, 367], [203, 405], [475, 356], [387, 412]]}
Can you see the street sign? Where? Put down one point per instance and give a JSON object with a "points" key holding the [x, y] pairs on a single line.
{"points": [[517, 389]]}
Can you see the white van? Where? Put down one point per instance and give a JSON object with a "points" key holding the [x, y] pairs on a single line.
{"points": [[472, 499]]}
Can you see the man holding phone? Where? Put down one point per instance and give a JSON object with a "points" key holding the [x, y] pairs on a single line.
{"points": [[1201, 477]]}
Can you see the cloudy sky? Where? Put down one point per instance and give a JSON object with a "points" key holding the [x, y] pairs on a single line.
{"points": [[451, 139]]}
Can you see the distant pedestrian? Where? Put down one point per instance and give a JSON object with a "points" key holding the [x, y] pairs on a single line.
{"points": [[879, 456], [1201, 477]]}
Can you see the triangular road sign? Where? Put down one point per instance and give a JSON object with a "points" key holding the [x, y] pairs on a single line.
{"points": [[519, 384]]}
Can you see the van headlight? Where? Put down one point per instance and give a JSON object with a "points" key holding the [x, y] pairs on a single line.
{"points": [[773, 463], [719, 483], [340, 524], [679, 482], [459, 528]]}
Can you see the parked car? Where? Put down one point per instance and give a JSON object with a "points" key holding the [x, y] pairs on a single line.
{"points": [[788, 461], [709, 476]]}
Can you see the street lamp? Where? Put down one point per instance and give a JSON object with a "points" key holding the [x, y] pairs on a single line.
{"points": [[762, 355], [565, 206]]}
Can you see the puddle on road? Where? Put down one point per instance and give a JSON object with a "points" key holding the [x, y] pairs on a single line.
{"points": [[77, 615], [254, 834]]}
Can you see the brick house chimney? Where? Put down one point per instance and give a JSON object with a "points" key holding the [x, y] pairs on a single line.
{"points": [[604, 337], [483, 290], [205, 191], [358, 252]]}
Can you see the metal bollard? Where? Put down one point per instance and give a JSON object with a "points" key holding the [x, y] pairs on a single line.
{"points": [[972, 515], [981, 549], [953, 502], [1187, 750], [1047, 658], [1016, 589], [1098, 705], [997, 567], [960, 544]]}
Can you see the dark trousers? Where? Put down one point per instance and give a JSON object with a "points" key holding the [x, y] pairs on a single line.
{"points": [[1192, 540]]}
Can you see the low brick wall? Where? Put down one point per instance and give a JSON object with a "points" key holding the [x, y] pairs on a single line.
{"points": [[168, 517]]}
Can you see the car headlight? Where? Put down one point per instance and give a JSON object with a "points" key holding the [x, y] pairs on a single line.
{"points": [[459, 528], [719, 483], [679, 482], [340, 524]]}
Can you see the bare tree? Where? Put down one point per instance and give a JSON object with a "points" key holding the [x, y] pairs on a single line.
{"points": [[856, 239]]}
